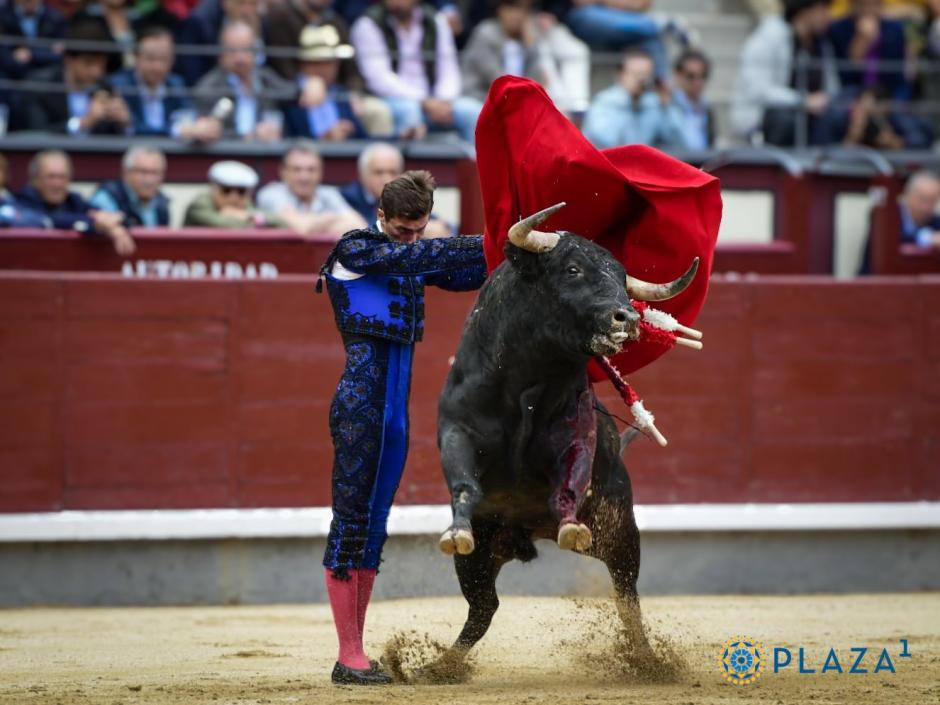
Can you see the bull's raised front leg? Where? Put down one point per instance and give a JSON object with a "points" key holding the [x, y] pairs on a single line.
{"points": [[576, 437], [462, 472]]}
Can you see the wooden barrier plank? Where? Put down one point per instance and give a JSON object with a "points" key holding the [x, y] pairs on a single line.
{"points": [[130, 381], [147, 422], [807, 469], [217, 393], [31, 479], [167, 464], [179, 496]]}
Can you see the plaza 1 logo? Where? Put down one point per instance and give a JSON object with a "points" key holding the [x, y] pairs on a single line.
{"points": [[743, 660]]}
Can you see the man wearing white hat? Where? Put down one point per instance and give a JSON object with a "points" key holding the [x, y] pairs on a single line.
{"points": [[228, 204], [327, 109]]}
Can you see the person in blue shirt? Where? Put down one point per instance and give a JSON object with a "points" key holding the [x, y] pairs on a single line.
{"points": [[920, 221], [158, 100], [48, 193], [376, 281], [137, 194], [29, 19], [635, 110], [692, 70], [378, 164]]}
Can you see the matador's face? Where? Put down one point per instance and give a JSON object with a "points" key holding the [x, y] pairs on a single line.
{"points": [[403, 230]]}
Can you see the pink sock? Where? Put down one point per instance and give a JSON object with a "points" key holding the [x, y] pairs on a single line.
{"points": [[366, 580], [344, 597]]}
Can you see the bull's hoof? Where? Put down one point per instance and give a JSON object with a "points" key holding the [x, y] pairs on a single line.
{"points": [[574, 537], [457, 541]]}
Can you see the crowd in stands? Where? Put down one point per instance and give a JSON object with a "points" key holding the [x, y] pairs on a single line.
{"points": [[841, 72], [814, 72], [212, 69], [298, 201]]}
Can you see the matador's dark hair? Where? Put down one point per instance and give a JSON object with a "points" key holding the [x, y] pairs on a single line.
{"points": [[410, 196]]}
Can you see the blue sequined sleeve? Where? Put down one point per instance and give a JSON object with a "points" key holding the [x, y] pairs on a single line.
{"points": [[466, 279], [438, 256]]}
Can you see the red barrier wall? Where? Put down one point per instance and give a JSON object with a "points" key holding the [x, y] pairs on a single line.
{"points": [[121, 393]]}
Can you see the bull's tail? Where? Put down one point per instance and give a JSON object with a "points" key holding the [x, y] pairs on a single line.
{"points": [[627, 437]]}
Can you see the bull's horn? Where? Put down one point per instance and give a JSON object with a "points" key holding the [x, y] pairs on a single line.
{"points": [[644, 291], [523, 234]]}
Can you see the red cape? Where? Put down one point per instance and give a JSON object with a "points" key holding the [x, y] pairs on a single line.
{"points": [[653, 212]]}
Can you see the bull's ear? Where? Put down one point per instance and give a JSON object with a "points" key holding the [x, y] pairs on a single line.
{"points": [[529, 264]]}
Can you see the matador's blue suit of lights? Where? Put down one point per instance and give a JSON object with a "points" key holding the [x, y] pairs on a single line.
{"points": [[377, 292]]}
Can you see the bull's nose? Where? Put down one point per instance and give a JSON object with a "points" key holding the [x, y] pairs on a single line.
{"points": [[625, 317]]}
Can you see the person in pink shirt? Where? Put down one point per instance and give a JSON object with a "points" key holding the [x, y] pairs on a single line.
{"points": [[407, 56]]}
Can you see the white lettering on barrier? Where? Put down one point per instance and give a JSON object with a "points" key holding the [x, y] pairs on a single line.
{"points": [[167, 269]]}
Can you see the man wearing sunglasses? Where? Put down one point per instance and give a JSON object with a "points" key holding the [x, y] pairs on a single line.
{"points": [[229, 201], [691, 77], [376, 281]]}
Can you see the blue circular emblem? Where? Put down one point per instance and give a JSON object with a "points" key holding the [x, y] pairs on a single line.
{"points": [[741, 660]]}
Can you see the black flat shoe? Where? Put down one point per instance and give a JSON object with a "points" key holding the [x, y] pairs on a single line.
{"points": [[344, 675]]}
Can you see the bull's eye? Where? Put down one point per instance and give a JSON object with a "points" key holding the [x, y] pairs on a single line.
{"points": [[573, 271]]}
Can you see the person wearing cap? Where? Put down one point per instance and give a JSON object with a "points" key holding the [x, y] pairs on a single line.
{"points": [[228, 204], [49, 194], [376, 279], [286, 20], [770, 97], [325, 109]]}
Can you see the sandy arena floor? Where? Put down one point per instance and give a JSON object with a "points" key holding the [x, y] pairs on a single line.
{"points": [[539, 650]]}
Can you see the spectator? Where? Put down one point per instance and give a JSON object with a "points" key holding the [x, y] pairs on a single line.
{"points": [[930, 76], [86, 105], [873, 47], [286, 21], [228, 204], [875, 50], [772, 92], [119, 23], [872, 123], [393, 40], [378, 164], [203, 27], [29, 19], [155, 97], [13, 215], [691, 74], [325, 110], [4, 175], [635, 110], [137, 194], [50, 176], [920, 222], [257, 92], [301, 200], [613, 25], [517, 42]]}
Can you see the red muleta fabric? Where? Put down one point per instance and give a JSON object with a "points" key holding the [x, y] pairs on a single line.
{"points": [[653, 212]]}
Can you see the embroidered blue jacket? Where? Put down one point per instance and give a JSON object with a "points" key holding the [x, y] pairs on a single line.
{"points": [[388, 302]]}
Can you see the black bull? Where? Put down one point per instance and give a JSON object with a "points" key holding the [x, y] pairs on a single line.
{"points": [[519, 372]]}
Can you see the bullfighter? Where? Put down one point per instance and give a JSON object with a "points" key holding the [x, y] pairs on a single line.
{"points": [[376, 279]]}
